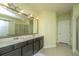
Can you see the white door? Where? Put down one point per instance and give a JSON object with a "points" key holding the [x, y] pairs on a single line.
{"points": [[63, 31]]}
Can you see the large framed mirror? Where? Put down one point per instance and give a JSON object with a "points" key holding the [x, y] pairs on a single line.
{"points": [[14, 24]]}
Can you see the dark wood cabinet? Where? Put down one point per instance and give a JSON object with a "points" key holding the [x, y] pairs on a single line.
{"points": [[19, 45], [6, 49], [36, 45], [41, 42], [27, 48], [16, 52]]}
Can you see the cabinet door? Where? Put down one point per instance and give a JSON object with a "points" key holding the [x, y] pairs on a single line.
{"points": [[41, 42], [6, 49], [19, 45], [27, 50], [36, 46], [16, 52]]}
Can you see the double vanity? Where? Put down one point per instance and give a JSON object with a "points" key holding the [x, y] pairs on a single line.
{"points": [[21, 46], [16, 31]]}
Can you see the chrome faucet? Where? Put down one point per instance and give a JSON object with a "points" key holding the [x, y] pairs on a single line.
{"points": [[16, 38]]}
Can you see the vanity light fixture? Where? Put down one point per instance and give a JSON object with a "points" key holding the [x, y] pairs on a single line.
{"points": [[22, 11], [19, 13], [37, 18], [6, 4], [30, 15]]}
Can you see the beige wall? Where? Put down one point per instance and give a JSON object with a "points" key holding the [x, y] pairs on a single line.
{"points": [[47, 27]]}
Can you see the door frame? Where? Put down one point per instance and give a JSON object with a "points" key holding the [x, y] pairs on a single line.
{"points": [[77, 33]]}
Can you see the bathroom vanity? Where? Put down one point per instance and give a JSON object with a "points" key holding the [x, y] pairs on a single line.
{"points": [[18, 33], [21, 47]]}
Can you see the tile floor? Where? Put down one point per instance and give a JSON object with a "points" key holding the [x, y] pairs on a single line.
{"points": [[60, 50]]}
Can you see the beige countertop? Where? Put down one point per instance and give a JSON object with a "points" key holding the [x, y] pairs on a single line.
{"points": [[10, 41]]}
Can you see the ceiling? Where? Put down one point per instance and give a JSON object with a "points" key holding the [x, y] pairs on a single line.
{"points": [[58, 7]]}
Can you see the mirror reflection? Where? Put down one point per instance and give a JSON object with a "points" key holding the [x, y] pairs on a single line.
{"points": [[13, 24]]}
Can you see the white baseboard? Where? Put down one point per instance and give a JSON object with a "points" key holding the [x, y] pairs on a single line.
{"points": [[50, 46]]}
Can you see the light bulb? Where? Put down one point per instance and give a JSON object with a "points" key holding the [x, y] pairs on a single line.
{"points": [[22, 11], [31, 15], [19, 13], [37, 18]]}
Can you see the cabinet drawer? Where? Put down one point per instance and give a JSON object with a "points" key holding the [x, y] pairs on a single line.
{"points": [[6, 49]]}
